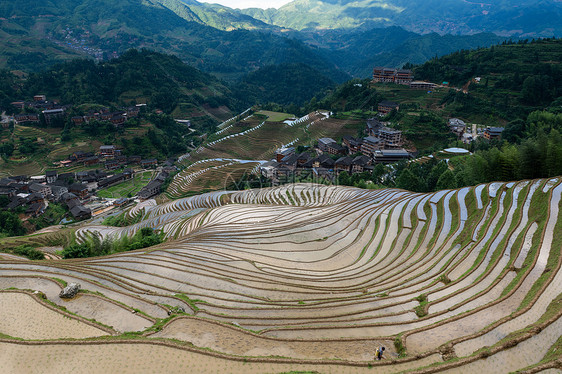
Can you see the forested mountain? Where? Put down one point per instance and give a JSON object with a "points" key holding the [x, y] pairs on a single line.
{"points": [[161, 81], [520, 17], [214, 15], [527, 71], [358, 51], [105, 28], [282, 84]]}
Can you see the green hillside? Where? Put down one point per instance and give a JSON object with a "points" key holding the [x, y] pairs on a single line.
{"points": [[516, 78], [282, 84], [105, 29], [159, 80]]}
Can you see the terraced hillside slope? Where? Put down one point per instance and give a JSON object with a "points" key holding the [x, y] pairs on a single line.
{"points": [[310, 278]]}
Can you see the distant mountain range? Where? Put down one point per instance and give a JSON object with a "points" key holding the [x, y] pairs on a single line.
{"points": [[529, 18], [332, 39]]}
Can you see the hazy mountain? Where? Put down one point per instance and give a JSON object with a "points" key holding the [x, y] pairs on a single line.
{"points": [[521, 17], [107, 28], [214, 15]]}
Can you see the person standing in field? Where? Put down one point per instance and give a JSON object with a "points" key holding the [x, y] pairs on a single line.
{"points": [[378, 353]]}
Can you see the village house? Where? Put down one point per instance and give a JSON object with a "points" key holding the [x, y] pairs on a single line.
{"points": [[343, 164], [302, 159], [53, 114], [35, 198], [94, 160], [324, 142], [80, 212], [392, 138], [353, 145], [134, 159], [8, 191], [26, 118], [389, 75], [335, 149], [388, 156], [360, 164], [386, 107], [110, 181], [16, 202], [77, 120], [281, 153], [70, 199], [493, 133], [107, 151], [79, 190], [118, 118], [151, 162], [43, 189], [35, 209], [133, 112], [151, 189], [322, 161], [373, 126], [80, 156], [370, 145], [57, 192], [269, 169], [403, 76], [420, 85], [51, 176]]}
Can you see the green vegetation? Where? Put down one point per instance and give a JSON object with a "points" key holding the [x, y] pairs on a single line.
{"points": [[10, 224], [283, 84], [121, 220], [52, 216], [399, 345], [128, 188], [93, 246], [25, 251], [516, 78], [162, 80]]}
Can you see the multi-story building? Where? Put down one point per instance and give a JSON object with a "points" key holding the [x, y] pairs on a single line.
{"points": [[386, 107], [370, 145], [389, 75], [392, 138], [493, 133]]}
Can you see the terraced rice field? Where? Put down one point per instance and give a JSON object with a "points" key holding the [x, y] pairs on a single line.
{"points": [[209, 175], [257, 139], [313, 278]]}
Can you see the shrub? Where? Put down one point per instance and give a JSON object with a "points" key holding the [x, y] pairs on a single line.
{"points": [[29, 252]]}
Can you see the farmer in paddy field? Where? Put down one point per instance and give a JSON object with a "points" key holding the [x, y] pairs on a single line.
{"points": [[378, 353]]}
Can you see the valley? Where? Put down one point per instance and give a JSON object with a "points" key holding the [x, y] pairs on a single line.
{"points": [[327, 187]]}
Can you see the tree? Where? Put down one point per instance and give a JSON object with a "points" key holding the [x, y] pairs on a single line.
{"points": [[447, 181], [409, 181]]}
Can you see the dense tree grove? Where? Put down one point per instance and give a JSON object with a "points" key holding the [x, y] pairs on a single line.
{"points": [[283, 84], [94, 246], [10, 224]]}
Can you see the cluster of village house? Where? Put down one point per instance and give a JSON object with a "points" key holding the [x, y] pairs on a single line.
{"points": [[459, 128], [381, 145], [51, 110], [406, 77], [77, 189]]}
